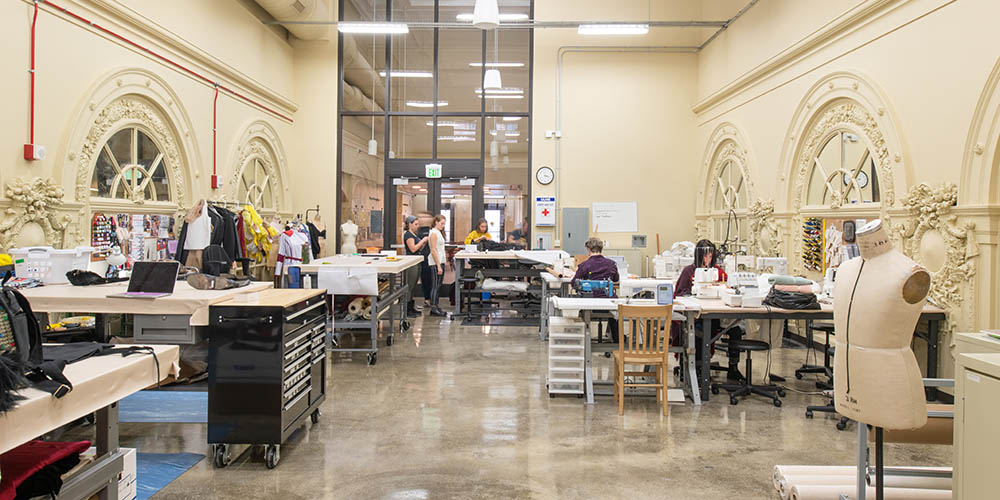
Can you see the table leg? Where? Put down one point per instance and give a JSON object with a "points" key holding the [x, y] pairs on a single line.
{"points": [[933, 331], [690, 341], [107, 443], [543, 316], [588, 373], [459, 265], [102, 327], [705, 381]]}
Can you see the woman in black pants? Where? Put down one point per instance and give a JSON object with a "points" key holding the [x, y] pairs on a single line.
{"points": [[425, 220]]}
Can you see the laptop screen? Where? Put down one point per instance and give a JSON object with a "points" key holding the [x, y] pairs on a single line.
{"points": [[153, 277]]}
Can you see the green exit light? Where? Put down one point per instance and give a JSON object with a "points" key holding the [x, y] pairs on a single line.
{"points": [[432, 170]]}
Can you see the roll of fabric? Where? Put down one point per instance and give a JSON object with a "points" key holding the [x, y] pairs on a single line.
{"points": [[804, 478], [819, 492], [780, 279], [795, 288], [780, 471]]}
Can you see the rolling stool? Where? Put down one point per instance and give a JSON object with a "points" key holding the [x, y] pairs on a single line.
{"points": [[735, 390], [825, 368], [829, 407]]}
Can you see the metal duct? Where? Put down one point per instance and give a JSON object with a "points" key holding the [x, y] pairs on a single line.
{"points": [[358, 72], [299, 11], [356, 100]]}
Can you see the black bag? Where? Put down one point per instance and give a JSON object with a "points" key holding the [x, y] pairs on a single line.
{"points": [[21, 360], [490, 245], [791, 300]]}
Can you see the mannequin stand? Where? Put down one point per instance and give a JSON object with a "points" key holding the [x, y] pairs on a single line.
{"points": [[863, 464]]}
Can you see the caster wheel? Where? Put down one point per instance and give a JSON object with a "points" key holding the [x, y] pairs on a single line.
{"points": [[798, 376], [715, 390], [777, 403], [221, 455], [781, 393], [271, 456], [607, 354], [734, 401], [405, 325], [579, 396], [314, 417], [809, 414], [841, 426], [372, 358], [552, 396], [388, 340]]}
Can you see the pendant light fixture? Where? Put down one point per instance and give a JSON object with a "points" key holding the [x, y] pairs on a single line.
{"points": [[486, 15], [491, 80], [372, 143]]}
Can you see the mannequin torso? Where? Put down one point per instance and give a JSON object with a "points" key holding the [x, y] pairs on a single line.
{"points": [[877, 302], [350, 231]]}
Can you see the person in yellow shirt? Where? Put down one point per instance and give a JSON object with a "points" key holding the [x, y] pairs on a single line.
{"points": [[480, 233]]}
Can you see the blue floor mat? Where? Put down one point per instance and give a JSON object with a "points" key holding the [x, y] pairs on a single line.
{"points": [[154, 471], [186, 407]]}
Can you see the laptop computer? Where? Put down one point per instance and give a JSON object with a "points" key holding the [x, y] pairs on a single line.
{"points": [[151, 280]]}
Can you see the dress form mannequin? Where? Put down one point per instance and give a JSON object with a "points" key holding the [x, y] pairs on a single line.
{"points": [[320, 226], [877, 301], [350, 231]]}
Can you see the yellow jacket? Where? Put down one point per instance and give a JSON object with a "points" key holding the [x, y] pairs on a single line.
{"points": [[476, 234]]}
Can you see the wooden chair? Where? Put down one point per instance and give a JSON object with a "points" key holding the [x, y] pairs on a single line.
{"points": [[643, 339]]}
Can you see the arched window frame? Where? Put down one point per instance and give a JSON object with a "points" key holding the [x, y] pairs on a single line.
{"points": [[136, 192]]}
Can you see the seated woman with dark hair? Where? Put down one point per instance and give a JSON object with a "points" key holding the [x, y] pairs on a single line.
{"points": [[598, 267], [705, 255]]}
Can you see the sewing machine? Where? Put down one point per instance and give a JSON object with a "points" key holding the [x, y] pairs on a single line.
{"points": [[586, 288], [777, 265], [706, 281]]}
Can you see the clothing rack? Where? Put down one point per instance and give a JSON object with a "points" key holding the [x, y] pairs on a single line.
{"points": [[227, 204], [312, 210]]}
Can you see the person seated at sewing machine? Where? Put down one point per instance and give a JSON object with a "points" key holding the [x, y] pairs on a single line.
{"points": [[519, 236], [704, 257], [598, 268], [480, 233]]}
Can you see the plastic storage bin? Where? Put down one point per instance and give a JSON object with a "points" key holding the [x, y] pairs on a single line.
{"points": [[49, 264]]}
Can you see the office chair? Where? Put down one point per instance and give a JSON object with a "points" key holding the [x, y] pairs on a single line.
{"points": [[747, 387], [826, 368]]}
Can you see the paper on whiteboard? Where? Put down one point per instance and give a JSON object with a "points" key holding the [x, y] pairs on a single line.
{"points": [[348, 280], [616, 217]]}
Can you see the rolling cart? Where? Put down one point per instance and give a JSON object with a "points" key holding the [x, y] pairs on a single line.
{"points": [[266, 370]]}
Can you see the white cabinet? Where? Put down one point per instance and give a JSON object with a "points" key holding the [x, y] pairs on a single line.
{"points": [[977, 435]]}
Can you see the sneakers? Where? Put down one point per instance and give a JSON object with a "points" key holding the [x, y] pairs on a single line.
{"points": [[203, 281], [435, 311]]}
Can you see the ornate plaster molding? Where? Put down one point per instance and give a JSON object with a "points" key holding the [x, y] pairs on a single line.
{"points": [[981, 152], [727, 144], [930, 215], [259, 140], [765, 234], [34, 200], [125, 111]]}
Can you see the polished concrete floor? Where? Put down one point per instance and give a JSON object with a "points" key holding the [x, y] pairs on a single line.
{"points": [[462, 412]]}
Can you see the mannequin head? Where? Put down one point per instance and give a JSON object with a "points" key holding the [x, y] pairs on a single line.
{"points": [[873, 240]]}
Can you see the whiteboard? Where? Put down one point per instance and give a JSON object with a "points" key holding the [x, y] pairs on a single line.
{"points": [[616, 217]]}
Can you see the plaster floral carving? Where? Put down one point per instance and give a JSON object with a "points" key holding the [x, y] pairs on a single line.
{"points": [[701, 230], [845, 115], [128, 110], [765, 236], [732, 152], [929, 209], [34, 200]]}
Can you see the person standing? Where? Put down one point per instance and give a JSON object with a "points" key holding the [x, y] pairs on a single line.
{"points": [[437, 261], [414, 246], [424, 222]]}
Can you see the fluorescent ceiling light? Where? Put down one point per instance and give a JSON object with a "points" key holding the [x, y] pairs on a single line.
{"points": [[493, 196], [457, 125], [612, 29], [465, 132], [408, 74], [510, 90], [373, 28], [456, 138], [511, 118], [506, 134], [498, 65], [467, 17], [426, 104], [502, 96]]}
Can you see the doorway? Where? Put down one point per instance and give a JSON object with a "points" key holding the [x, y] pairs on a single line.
{"points": [[457, 194]]}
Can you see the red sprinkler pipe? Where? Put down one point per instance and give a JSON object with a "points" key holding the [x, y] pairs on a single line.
{"points": [[168, 61], [31, 72], [215, 154]]}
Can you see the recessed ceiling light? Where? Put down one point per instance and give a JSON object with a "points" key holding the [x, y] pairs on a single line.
{"points": [[426, 104], [497, 65], [408, 74], [373, 28], [612, 29], [467, 17]]}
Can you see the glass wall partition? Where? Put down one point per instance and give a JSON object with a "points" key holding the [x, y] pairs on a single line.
{"points": [[408, 100]]}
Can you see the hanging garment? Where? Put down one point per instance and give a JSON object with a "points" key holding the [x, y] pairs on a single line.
{"points": [[199, 230], [259, 235], [314, 235]]}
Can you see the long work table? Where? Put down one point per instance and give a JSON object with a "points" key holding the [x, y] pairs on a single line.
{"points": [[391, 303], [694, 309], [98, 384], [540, 257]]}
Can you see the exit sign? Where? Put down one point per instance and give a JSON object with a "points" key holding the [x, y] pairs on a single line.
{"points": [[432, 170]]}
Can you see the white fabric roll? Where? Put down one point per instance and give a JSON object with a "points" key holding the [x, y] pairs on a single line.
{"points": [[820, 492], [799, 479], [927, 483]]}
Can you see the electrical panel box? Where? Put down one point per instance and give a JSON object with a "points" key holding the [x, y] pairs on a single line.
{"points": [[575, 230]]}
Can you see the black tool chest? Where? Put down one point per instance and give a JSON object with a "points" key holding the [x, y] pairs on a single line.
{"points": [[266, 369]]}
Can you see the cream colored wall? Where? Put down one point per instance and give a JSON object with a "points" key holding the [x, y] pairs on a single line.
{"points": [[927, 63], [627, 127], [81, 70]]}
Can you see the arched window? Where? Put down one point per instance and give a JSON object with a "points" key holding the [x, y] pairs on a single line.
{"points": [[256, 186], [131, 166], [729, 209], [843, 173]]}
